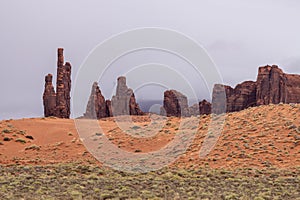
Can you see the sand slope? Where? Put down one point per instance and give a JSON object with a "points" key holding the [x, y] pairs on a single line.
{"points": [[265, 136]]}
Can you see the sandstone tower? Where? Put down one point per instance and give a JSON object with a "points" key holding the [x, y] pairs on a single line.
{"points": [[58, 103]]}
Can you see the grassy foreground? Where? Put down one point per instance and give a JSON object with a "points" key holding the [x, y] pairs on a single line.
{"points": [[77, 181]]}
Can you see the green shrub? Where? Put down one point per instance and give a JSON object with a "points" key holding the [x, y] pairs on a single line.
{"points": [[21, 140]]}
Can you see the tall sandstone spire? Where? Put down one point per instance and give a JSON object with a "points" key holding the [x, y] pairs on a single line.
{"points": [[58, 104], [49, 97]]}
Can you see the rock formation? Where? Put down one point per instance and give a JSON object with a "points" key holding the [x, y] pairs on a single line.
{"points": [[123, 103], [63, 86], [108, 108], [219, 98], [204, 107], [272, 86], [175, 104], [96, 107], [238, 98], [49, 97], [134, 108], [194, 109], [58, 104]]}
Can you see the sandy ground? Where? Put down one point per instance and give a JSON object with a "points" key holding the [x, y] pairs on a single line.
{"points": [[265, 136]]}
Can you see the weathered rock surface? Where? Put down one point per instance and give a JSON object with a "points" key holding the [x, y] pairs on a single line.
{"points": [[194, 109], [61, 107], [49, 97], [96, 107], [175, 104], [219, 98], [204, 107], [242, 96], [272, 86], [238, 98], [123, 103], [108, 108], [63, 86], [134, 108]]}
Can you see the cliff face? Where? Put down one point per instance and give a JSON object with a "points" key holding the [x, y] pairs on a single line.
{"points": [[175, 104], [204, 107], [58, 104], [96, 107], [238, 98], [123, 103], [272, 86], [49, 97]]}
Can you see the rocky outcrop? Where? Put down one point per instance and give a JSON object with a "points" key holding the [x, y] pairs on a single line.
{"points": [[134, 108], [49, 97], [204, 107], [238, 98], [96, 107], [194, 109], [175, 104], [108, 108], [271, 87], [219, 98], [58, 104], [123, 103], [274, 86], [63, 86], [242, 96]]}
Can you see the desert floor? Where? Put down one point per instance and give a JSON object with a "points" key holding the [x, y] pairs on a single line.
{"points": [[255, 153]]}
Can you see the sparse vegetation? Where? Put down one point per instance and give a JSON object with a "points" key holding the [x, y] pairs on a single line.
{"points": [[20, 140], [65, 181], [135, 127], [33, 147], [251, 159], [6, 131]]}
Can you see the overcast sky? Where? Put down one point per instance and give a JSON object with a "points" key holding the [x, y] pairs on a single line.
{"points": [[238, 35]]}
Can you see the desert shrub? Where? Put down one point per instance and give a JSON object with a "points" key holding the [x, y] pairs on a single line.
{"points": [[6, 131], [20, 140], [21, 132], [6, 139], [29, 137], [135, 127], [33, 147]]}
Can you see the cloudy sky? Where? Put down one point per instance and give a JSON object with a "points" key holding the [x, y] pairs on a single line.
{"points": [[239, 36]]}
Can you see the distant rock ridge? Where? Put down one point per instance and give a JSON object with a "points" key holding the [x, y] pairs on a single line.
{"points": [[272, 86], [58, 103], [123, 103]]}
